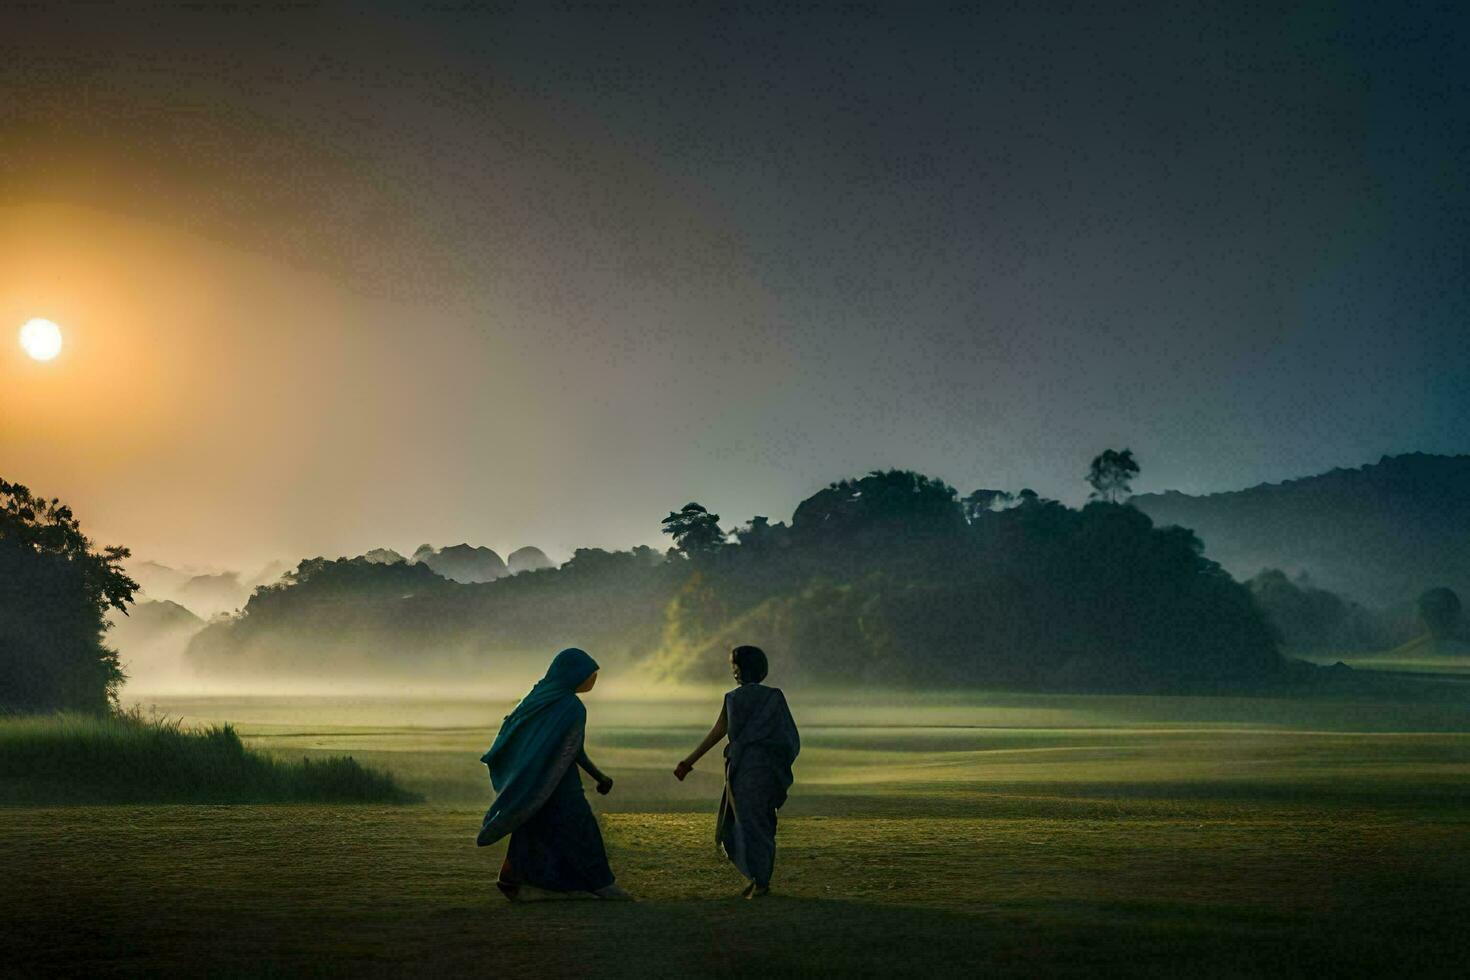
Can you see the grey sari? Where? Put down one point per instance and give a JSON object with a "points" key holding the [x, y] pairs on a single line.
{"points": [[763, 744]]}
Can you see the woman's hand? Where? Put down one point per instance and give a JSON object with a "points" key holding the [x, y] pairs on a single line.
{"points": [[604, 785], [715, 734]]}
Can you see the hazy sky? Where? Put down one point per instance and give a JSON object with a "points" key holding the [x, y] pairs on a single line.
{"points": [[332, 278]]}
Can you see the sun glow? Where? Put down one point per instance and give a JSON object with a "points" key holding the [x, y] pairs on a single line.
{"points": [[41, 339]]}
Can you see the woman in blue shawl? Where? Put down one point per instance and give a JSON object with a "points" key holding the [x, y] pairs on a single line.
{"points": [[555, 845], [763, 744]]}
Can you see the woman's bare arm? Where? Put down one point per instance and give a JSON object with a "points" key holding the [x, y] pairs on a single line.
{"points": [[589, 767], [716, 733], [604, 781]]}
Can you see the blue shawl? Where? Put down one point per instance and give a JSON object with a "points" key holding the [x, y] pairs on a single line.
{"points": [[530, 743]]}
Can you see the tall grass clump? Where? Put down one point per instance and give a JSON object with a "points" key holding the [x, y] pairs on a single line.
{"points": [[132, 758]]}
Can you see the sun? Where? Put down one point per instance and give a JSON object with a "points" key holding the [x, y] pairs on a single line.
{"points": [[41, 339]]}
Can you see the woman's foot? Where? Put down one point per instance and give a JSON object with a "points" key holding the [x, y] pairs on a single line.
{"points": [[757, 891], [614, 893], [748, 889]]}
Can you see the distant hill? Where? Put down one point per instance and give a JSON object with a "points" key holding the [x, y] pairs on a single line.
{"points": [[383, 556], [204, 593], [156, 579], [527, 560], [160, 615], [463, 563], [151, 640], [208, 595], [1380, 534]]}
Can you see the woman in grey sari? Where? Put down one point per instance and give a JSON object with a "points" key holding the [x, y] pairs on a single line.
{"points": [[763, 744]]}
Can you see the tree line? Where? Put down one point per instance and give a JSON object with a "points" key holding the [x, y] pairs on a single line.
{"points": [[888, 578], [892, 577]]}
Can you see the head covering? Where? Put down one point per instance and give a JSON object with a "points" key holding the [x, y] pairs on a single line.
{"points": [[530, 740]]}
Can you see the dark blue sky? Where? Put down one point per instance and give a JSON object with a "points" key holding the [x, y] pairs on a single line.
{"points": [[686, 254]]}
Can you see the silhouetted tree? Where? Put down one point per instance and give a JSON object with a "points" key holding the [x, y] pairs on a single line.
{"points": [[357, 576], [759, 535], [754, 530], [695, 530], [55, 590], [597, 562], [983, 501], [889, 500], [1111, 474], [1440, 610], [646, 556]]}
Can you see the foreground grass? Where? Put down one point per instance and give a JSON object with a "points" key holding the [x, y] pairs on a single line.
{"points": [[1014, 836], [1223, 889], [130, 758]]}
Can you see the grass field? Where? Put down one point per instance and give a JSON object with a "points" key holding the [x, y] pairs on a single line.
{"points": [[942, 836]]}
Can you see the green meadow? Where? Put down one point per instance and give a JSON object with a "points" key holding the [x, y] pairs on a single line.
{"points": [[927, 835]]}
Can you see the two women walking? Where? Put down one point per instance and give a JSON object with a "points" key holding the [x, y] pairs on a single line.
{"points": [[555, 845]]}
